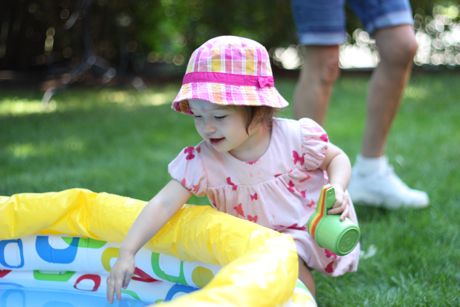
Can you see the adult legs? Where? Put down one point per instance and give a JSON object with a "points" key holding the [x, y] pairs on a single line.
{"points": [[397, 48], [373, 180], [317, 77]]}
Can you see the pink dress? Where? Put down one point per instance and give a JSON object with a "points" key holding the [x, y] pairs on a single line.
{"points": [[279, 190]]}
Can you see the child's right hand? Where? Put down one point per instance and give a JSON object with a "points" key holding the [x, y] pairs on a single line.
{"points": [[120, 275], [159, 209]]}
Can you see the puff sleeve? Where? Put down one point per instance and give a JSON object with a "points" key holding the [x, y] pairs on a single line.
{"points": [[187, 168], [314, 143]]}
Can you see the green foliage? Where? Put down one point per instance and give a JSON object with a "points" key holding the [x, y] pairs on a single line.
{"points": [[120, 141], [130, 33]]}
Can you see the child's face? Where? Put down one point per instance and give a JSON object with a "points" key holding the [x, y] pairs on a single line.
{"points": [[224, 127]]}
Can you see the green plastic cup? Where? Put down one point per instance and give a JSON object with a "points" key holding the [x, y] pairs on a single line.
{"points": [[340, 237]]}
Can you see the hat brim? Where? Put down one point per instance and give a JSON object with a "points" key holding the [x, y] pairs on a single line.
{"points": [[228, 95]]}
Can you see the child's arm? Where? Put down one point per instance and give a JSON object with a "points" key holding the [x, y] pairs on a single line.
{"points": [[154, 215], [338, 168]]}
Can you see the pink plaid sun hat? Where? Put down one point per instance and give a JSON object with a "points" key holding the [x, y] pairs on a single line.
{"points": [[229, 70]]}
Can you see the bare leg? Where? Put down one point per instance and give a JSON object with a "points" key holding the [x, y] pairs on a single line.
{"points": [[397, 48], [373, 180], [306, 277], [317, 77]]}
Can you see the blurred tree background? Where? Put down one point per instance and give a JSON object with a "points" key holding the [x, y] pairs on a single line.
{"points": [[128, 37]]}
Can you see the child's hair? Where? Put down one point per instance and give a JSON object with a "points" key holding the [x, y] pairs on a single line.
{"points": [[231, 71], [259, 115]]}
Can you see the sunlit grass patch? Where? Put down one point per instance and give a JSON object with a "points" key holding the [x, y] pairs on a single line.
{"points": [[17, 106], [83, 99]]}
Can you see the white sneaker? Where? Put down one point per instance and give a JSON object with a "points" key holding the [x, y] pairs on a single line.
{"points": [[384, 189]]}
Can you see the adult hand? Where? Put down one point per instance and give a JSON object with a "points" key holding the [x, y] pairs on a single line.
{"points": [[120, 275]]}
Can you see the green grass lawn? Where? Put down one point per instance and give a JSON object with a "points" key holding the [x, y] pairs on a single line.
{"points": [[120, 141]]}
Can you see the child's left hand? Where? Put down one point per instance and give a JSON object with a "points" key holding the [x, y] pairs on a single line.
{"points": [[342, 203]]}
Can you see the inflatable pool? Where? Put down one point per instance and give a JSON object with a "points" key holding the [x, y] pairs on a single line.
{"points": [[57, 248]]}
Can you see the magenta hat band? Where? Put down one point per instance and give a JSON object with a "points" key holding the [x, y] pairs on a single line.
{"points": [[230, 79]]}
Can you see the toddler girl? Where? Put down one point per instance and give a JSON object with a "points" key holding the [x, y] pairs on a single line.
{"points": [[251, 165]]}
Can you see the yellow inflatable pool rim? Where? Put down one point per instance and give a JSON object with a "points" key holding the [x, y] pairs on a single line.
{"points": [[259, 266]]}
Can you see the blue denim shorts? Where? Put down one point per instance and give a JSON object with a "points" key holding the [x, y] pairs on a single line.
{"points": [[323, 22]]}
